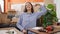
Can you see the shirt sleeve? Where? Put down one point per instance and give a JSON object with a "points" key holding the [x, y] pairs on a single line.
{"points": [[42, 12], [19, 23]]}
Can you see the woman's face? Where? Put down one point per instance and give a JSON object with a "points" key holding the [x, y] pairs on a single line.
{"points": [[28, 6]]}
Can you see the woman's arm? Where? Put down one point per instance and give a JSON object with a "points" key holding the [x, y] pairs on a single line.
{"points": [[19, 23], [42, 12]]}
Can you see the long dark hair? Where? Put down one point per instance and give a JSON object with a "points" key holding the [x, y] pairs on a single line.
{"points": [[32, 10]]}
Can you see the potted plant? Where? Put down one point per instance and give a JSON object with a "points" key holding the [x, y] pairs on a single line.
{"points": [[50, 17]]}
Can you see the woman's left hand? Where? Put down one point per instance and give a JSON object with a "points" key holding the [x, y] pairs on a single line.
{"points": [[24, 31]]}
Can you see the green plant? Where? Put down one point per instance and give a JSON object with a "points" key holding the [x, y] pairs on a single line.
{"points": [[51, 6], [52, 11], [50, 16]]}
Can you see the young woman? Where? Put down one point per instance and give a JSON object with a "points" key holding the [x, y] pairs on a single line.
{"points": [[29, 17]]}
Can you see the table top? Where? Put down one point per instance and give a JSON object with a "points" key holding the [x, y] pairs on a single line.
{"points": [[36, 31], [10, 29], [56, 29]]}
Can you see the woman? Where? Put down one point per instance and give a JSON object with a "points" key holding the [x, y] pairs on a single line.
{"points": [[29, 17]]}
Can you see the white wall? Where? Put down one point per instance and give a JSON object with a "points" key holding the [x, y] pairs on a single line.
{"points": [[20, 7], [2, 5], [57, 2]]}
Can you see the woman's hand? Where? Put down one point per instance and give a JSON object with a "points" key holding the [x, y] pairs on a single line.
{"points": [[24, 31]]}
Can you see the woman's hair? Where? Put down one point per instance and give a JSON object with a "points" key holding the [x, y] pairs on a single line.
{"points": [[32, 10]]}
